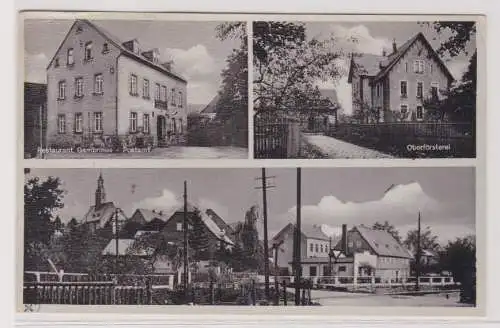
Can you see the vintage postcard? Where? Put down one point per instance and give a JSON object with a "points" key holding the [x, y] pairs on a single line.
{"points": [[97, 88], [364, 89], [364, 237], [108, 223]]}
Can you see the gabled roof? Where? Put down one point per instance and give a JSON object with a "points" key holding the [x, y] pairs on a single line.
{"points": [[378, 66], [119, 44], [211, 108], [104, 213], [150, 215], [308, 231], [382, 242]]}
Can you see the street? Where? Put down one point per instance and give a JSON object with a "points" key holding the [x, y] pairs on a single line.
{"points": [[334, 148], [174, 152]]}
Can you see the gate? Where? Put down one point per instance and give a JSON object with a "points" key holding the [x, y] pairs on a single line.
{"points": [[273, 135]]}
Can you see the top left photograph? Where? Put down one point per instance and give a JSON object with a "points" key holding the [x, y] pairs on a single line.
{"points": [[135, 89]]}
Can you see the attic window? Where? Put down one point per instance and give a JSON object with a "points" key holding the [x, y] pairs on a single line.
{"points": [[105, 48], [79, 29], [56, 64]]}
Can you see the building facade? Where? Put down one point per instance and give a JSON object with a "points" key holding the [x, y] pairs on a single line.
{"points": [[395, 86], [102, 92]]}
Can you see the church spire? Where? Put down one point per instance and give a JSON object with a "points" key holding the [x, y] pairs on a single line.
{"points": [[100, 193]]}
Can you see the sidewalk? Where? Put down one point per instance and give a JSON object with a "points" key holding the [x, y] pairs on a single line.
{"points": [[334, 148]]}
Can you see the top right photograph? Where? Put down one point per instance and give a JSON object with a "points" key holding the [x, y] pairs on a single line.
{"points": [[364, 89]]}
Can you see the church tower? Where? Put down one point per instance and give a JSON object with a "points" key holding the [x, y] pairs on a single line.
{"points": [[100, 193]]}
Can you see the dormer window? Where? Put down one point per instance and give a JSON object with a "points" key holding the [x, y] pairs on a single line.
{"points": [[88, 51]]}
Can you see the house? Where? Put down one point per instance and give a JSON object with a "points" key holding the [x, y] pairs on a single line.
{"points": [[35, 117], [102, 92], [145, 220], [367, 252], [394, 87], [324, 116], [209, 112], [218, 232], [314, 249], [103, 214]]}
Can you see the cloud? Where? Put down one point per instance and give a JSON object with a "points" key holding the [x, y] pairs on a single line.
{"points": [[358, 39], [166, 201], [218, 208], [399, 205], [201, 92], [193, 62], [457, 68], [35, 67]]}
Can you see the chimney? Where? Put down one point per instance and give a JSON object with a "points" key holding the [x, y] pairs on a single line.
{"points": [[160, 213], [152, 55], [394, 47], [344, 239]]}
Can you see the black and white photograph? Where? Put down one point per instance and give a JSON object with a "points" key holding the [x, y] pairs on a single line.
{"points": [[366, 236], [364, 89], [129, 88]]}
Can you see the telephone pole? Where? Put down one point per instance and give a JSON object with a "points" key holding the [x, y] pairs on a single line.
{"points": [[298, 268], [264, 187], [116, 241], [185, 229], [418, 256]]}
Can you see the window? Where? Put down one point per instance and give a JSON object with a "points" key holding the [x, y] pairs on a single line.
{"points": [[146, 123], [61, 123], [79, 30], [312, 270], [378, 90], [172, 97], [181, 127], [133, 122], [358, 243], [434, 90], [157, 91], [105, 48], [406, 67], [88, 51], [321, 248], [404, 109], [78, 122], [311, 247], [79, 87], [56, 63], [98, 84], [420, 89], [316, 248], [179, 226], [173, 127], [70, 60], [180, 98], [342, 268], [403, 90], [62, 90], [163, 93], [98, 122], [430, 68], [418, 66], [145, 88], [133, 85], [420, 112], [350, 244]]}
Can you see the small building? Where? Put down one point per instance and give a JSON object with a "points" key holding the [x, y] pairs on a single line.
{"points": [[35, 117], [103, 214], [209, 112], [393, 87], [105, 93]]}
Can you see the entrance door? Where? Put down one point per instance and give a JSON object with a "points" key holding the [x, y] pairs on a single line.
{"points": [[160, 128]]}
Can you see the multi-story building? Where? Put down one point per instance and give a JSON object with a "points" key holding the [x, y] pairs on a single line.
{"points": [[395, 86], [106, 93], [369, 252], [314, 249]]}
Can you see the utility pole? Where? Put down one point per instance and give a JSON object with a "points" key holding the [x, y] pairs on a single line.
{"points": [[264, 187], [116, 241], [330, 251], [298, 268], [41, 131], [418, 256], [185, 229], [276, 247]]}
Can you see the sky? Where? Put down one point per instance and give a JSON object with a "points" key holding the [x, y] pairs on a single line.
{"points": [[331, 196], [373, 38], [197, 54]]}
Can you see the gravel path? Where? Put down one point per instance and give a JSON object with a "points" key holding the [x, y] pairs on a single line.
{"points": [[334, 148]]}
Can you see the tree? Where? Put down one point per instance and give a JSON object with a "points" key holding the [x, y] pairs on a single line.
{"points": [[459, 258], [198, 238], [386, 226], [41, 200], [286, 65], [427, 240], [461, 34], [233, 93]]}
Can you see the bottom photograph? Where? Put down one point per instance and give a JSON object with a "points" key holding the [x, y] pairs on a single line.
{"points": [[385, 236]]}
